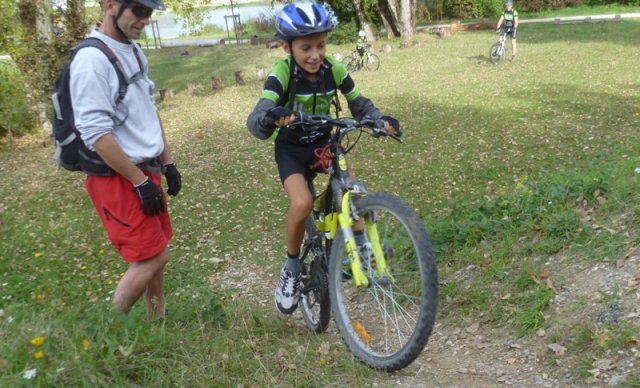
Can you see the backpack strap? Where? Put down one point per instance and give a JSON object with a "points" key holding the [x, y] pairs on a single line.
{"points": [[106, 50]]}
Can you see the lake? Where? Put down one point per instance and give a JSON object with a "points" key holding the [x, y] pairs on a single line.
{"points": [[170, 25]]}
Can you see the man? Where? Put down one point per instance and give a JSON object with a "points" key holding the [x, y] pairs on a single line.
{"points": [[510, 18], [129, 137]]}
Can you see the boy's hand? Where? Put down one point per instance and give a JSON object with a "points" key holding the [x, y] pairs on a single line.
{"points": [[282, 116], [392, 126]]}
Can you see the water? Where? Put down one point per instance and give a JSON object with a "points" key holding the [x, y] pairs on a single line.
{"points": [[170, 25]]}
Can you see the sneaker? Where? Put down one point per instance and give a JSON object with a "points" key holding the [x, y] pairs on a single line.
{"points": [[288, 291]]}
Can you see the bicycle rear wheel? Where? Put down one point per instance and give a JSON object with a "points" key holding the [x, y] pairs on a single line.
{"points": [[387, 324], [372, 62], [495, 54], [315, 304]]}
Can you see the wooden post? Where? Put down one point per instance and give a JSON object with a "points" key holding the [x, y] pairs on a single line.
{"points": [[239, 78], [192, 89], [166, 94], [216, 83], [260, 72]]}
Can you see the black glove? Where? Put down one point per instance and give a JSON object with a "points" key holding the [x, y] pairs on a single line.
{"points": [[394, 123], [174, 179], [150, 197], [279, 112]]}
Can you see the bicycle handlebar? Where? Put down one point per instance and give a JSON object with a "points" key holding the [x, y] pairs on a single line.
{"points": [[374, 128]]}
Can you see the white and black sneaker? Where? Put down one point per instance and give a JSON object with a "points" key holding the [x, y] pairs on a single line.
{"points": [[288, 291]]}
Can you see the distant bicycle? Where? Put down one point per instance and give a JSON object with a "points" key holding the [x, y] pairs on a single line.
{"points": [[498, 51], [367, 60]]}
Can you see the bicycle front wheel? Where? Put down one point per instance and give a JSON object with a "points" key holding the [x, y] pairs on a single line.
{"points": [[315, 304], [387, 324], [496, 53], [372, 62]]}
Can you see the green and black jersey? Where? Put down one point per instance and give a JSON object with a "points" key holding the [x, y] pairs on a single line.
{"points": [[287, 86], [510, 18]]}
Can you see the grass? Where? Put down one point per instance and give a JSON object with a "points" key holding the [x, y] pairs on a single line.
{"points": [[503, 163]]}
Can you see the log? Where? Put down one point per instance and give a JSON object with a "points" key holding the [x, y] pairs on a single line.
{"points": [[216, 83]]}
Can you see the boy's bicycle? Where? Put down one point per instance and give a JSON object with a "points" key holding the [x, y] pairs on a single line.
{"points": [[367, 60], [383, 305], [498, 50]]}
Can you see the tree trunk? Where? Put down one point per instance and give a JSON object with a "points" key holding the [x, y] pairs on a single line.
{"points": [[364, 22], [400, 15]]}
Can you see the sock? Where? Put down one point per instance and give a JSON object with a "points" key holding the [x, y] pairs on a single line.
{"points": [[293, 263]]}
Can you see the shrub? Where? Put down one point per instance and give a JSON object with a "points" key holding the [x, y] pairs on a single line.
{"points": [[14, 115], [344, 33]]}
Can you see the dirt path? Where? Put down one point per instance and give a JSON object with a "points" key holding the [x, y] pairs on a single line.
{"points": [[482, 355]]}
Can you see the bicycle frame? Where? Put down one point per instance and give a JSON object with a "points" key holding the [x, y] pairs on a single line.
{"points": [[337, 210]]}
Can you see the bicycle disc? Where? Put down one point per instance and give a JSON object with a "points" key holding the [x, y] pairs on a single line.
{"points": [[494, 55], [315, 304], [387, 324], [372, 63]]}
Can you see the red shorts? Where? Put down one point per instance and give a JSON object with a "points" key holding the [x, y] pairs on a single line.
{"points": [[135, 235]]}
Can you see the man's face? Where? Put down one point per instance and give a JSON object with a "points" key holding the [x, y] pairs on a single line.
{"points": [[133, 19], [309, 51], [509, 7]]}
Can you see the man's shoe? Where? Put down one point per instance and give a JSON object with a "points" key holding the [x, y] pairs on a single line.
{"points": [[288, 292]]}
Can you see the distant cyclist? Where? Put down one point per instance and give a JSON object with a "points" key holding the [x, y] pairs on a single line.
{"points": [[361, 44], [510, 18]]}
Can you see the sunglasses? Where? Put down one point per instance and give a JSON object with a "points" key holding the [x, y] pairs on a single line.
{"points": [[141, 12]]}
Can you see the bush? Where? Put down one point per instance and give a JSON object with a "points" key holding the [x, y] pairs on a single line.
{"points": [[344, 33], [14, 115]]}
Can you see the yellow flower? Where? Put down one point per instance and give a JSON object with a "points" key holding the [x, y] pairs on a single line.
{"points": [[38, 341], [38, 355], [101, 251], [38, 254], [39, 297], [85, 344]]}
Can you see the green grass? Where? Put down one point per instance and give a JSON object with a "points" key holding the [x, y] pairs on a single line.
{"points": [[499, 161]]}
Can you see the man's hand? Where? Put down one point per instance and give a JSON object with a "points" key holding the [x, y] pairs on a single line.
{"points": [[174, 179], [282, 116], [150, 197]]}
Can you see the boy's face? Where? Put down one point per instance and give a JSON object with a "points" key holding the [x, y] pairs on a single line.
{"points": [[308, 51]]}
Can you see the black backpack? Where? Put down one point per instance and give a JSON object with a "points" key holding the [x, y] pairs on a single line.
{"points": [[71, 152]]}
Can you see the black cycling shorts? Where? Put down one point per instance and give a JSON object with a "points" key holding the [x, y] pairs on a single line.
{"points": [[510, 32], [297, 158]]}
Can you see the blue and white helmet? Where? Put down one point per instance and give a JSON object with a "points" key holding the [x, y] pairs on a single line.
{"points": [[304, 18]]}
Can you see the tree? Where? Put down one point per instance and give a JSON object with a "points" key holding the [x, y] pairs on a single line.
{"points": [[192, 13], [38, 36], [399, 17]]}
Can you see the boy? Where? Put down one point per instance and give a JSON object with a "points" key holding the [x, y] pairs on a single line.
{"points": [[304, 82], [510, 18]]}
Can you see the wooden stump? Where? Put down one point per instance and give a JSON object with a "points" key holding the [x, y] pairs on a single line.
{"points": [[416, 43], [442, 32], [239, 78], [192, 89], [216, 83], [386, 48], [275, 43], [404, 45], [166, 94], [260, 73]]}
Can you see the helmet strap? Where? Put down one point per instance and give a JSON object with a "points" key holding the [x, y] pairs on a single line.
{"points": [[123, 6]]}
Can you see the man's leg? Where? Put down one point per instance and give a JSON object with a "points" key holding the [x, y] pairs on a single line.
{"points": [[140, 277], [154, 297]]}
